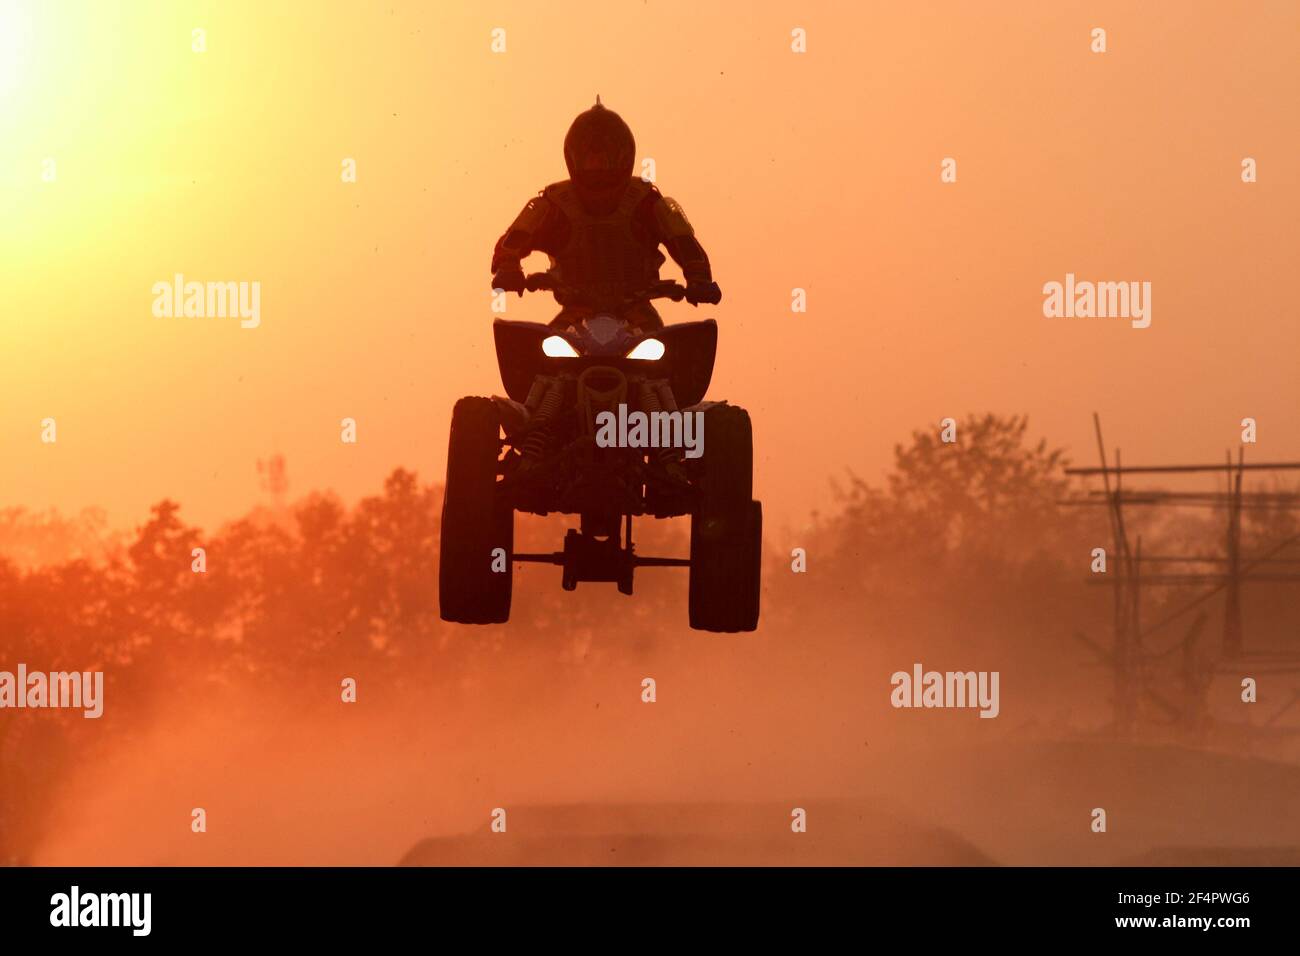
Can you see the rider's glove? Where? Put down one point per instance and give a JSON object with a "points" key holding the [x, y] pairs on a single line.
{"points": [[703, 292], [508, 280]]}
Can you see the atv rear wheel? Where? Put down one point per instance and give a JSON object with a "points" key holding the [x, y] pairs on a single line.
{"points": [[474, 577], [726, 528]]}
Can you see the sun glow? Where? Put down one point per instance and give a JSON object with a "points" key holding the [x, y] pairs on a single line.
{"points": [[15, 34]]}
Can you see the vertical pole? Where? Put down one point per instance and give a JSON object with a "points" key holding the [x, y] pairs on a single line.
{"points": [[1232, 599], [1125, 597], [1137, 666], [1135, 624], [1123, 694]]}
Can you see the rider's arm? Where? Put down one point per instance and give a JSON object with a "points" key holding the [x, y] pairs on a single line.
{"points": [[530, 231], [675, 231]]}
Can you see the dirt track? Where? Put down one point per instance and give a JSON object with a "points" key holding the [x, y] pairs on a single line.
{"points": [[609, 786], [845, 833]]}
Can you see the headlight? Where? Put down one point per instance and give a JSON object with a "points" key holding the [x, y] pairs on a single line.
{"points": [[649, 350], [557, 346]]}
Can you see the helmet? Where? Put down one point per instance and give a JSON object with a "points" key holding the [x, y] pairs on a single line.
{"points": [[600, 151]]}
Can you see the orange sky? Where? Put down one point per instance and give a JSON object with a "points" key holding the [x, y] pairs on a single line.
{"points": [[818, 171]]}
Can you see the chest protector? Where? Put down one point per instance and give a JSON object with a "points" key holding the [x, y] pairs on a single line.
{"points": [[606, 257]]}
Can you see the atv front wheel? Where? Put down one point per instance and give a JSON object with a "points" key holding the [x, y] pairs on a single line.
{"points": [[726, 528], [475, 568]]}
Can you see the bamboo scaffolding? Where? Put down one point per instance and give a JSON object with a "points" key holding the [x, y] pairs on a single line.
{"points": [[1127, 657]]}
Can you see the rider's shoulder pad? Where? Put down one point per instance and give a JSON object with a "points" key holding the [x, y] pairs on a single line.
{"points": [[563, 195], [672, 218], [532, 216], [556, 191]]}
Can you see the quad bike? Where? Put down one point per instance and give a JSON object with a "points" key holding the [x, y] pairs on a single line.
{"points": [[536, 451]]}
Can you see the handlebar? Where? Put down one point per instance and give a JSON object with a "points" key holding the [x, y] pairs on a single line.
{"points": [[546, 282]]}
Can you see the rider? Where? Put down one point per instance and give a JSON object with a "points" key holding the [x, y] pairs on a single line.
{"points": [[602, 228]]}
